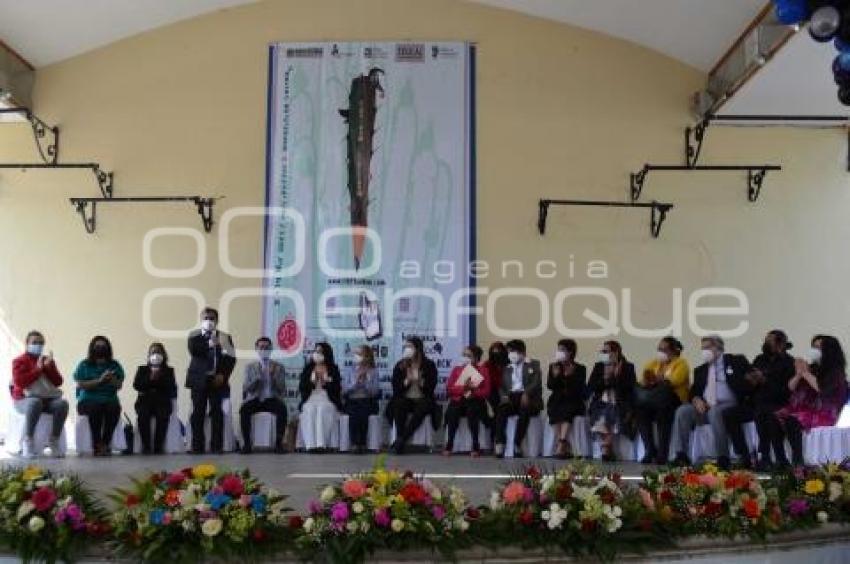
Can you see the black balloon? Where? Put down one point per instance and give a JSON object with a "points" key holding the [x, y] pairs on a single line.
{"points": [[844, 95], [824, 24]]}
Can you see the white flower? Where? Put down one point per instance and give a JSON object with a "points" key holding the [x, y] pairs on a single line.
{"points": [[25, 509], [461, 524], [43, 484], [63, 481], [547, 483], [352, 526], [357, 507], [273, 493], [157, 494], [554, 516], [277, 508], [188, 498], [436, 494], [495, 501], [211, 527], [835, 491], [308, 524], [188, 525], [36, 524], [327, 494], [364, 526], [822, 517], [397, 525]]}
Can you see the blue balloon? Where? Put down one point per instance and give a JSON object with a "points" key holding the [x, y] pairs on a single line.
{"points": [[843, 61], [841, 45], [791, 12]]}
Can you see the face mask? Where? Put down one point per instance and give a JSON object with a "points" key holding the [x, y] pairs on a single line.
{"points": [[318, 357], [155, 359], [35, 349], [264, 354], [662, 356], [464, 360], [604, 358], [358, 358], [100, 351], [813, 356], [707, 355], [514, 357], [560, 355], [407, 352], [208, 325]]}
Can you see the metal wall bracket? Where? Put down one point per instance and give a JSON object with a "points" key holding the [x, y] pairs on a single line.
{"points": [[204, 207], [693, 147], [656, 220], [755, 176], [48, 149], [103, 178]]}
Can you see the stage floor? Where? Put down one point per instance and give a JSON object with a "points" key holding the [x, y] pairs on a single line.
{"points": [[299, 475]]}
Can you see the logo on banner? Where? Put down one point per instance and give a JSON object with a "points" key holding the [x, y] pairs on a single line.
{"points": [[410, 52], [289, 335]]}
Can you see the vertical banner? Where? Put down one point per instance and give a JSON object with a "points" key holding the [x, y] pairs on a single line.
{"points": [[369, 225]]}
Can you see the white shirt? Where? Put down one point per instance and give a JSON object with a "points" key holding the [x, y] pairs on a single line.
{"points": [[266, 382], [516, 376], [717, 389]]}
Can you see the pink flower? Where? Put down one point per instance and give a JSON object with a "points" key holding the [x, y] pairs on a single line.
{"points": [[382, 517], [175, 479], [339, 512], [166, 518], [232, 485], [245, 500], [646, 499], [43, 499], [438, 512], [528, 495], [709, 480], [514, 493], [354, 488]]}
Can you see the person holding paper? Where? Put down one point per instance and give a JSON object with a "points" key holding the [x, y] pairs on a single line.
{"points": [[35, 390], [320, 388], [568, 381], [468, 387]]}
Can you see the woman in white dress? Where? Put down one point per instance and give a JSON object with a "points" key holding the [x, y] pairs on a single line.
{"points": [[320, 399]]}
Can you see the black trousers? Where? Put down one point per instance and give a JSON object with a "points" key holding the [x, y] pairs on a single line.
{"points": [[661, 411], [509, 409], [734, 419], [471, 408], [408, 415], [103, 418], [269, 405], [789, 427], [359, 410], [770, 431], [157, 410], [201, 398]]}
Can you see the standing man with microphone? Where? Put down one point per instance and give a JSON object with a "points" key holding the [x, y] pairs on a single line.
{"points": [[212, 361]]}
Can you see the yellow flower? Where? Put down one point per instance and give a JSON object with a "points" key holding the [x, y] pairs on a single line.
{"points": [[710, 469], [382, 477], [202, 471], [814, 487], [32, 473]]}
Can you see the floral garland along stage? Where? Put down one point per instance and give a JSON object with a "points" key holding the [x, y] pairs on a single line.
{"points": [[199, 513]]}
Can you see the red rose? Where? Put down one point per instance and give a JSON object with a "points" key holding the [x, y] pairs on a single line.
{"points": [[526, 517], [669, 479], [751, 508], [563, 492], [259, 535], [43, 499], [131, 500], [413, 493], [232, 485], [666, 496], [296, 522], [588, 525], [473, 513], [533, 472], [713, 509]]}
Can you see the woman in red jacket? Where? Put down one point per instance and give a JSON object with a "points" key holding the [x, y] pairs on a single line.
{"points": [[468, 388]]}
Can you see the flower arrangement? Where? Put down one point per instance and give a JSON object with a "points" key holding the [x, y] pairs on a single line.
{"points": [[384, 509], [689, 501], [575, 508], [46, 517], [814, 495], [194, 513]]}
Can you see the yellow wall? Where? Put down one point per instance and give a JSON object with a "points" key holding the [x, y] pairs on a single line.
{"points": [[562, 112]]}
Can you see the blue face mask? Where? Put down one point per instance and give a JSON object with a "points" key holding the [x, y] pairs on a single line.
{"points": [[35, 349]]}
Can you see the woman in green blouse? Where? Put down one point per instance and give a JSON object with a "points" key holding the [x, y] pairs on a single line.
{"points": [[98, 378]]}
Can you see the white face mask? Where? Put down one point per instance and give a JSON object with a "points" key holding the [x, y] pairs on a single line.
{"points": [[208, 325], [662, 356], [464, 360], [560, 355], [155, 359], [514, 357], [707, 355], [264, 354], [407, 352], [318, 357], [358, 358], [813, 356], [35, 349], [604, 358]]}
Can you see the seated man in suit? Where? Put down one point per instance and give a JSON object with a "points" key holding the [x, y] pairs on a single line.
{"points": [[264, 390], [521, 394], [212, 360], [718, 385]]}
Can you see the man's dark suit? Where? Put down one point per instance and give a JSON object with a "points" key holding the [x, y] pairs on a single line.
{"points": [[207, 362]]}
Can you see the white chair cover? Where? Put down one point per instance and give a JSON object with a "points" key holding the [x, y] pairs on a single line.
{"points": [[463, 437], [15, 433], [532, 445], [579, 438]]}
